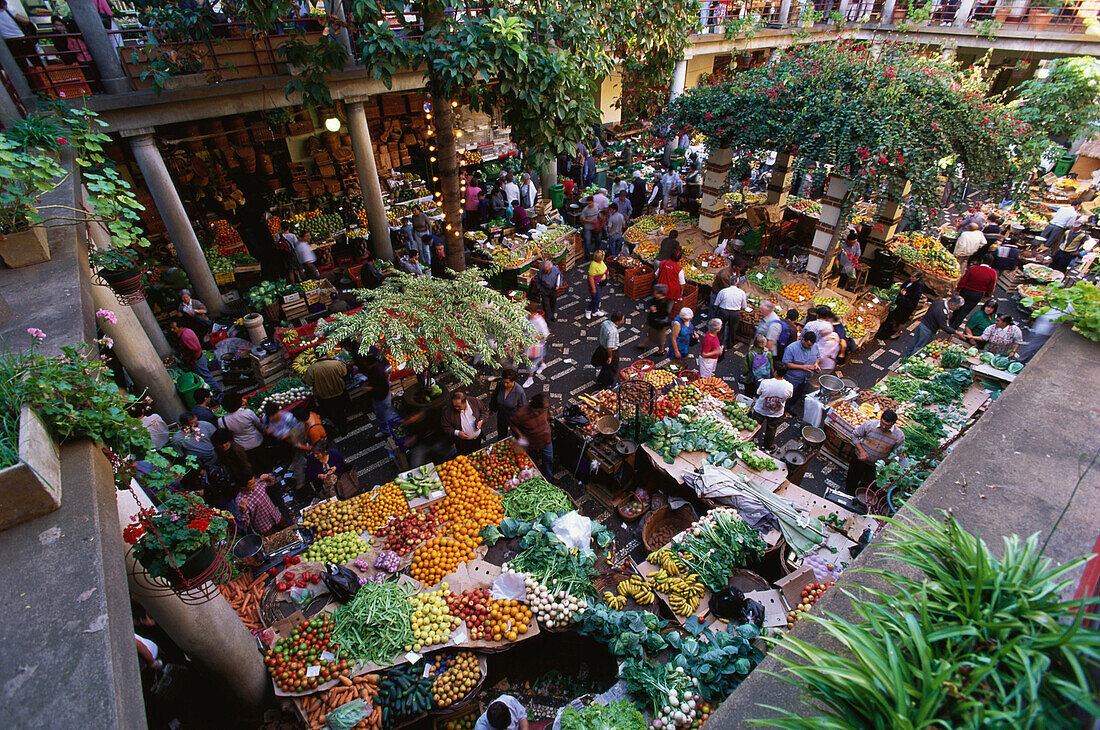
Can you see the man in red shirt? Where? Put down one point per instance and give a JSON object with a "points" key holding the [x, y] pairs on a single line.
{"points": [[531, 425], [975, 285], [192, 357]]}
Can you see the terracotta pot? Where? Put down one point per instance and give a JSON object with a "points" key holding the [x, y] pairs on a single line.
{"points": [[1039, 18], [25, 248]]}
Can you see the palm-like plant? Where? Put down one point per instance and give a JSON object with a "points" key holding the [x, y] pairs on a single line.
{"points": [[965, 640]]}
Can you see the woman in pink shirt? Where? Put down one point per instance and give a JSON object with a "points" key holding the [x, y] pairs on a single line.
{"points": [[473, 215]]}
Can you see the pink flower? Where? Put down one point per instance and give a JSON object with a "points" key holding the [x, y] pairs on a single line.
{"points": [[107, 315], [107, 342], [708, 116], [36, 333], [62, 140], [890, 73]]}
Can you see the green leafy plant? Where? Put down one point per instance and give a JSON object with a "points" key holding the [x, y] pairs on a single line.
{"points": [[183, 45], [988, 28], [27, 177], [1080, 305], [962, 639], [625, 633], [114, 259], [1065, 102], [164, 538], [746, 26], [312, 59], [719, 660], [619, 715]]}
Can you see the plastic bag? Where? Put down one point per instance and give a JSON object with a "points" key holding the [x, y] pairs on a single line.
{"points": [[732, 605], [349, 714], [574, 530], [341, 582], [301, 596], [510, 586]]}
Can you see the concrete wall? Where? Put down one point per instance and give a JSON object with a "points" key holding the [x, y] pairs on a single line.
{"points": [[697, 66], [1014, 472], [607, 98]]}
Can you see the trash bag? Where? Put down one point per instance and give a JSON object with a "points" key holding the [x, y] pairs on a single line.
{"points": [[574, 416], [731, 604], [341, 582], [349, 714]]}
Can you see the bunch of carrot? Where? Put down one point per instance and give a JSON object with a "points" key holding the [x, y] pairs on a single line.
{"points": [[315, 707], [243, 594]]}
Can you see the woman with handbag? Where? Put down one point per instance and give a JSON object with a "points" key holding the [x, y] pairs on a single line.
{"points": [[597, 277], [327, 471]]}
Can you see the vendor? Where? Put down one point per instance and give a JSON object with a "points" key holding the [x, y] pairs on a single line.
{"points": [[981, 320], [1071, 245], [848, 258], [1003, 337], [505, 713], [938, 317], [193, 311], [904, 305], [874, 442], [463, 422], [531, 426]]}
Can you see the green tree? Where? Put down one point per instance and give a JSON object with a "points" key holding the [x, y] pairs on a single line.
{"points": [[1066, 102], [537, 65]]}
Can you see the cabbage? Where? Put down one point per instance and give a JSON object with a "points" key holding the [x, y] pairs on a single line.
{"points": [[619, 715]]}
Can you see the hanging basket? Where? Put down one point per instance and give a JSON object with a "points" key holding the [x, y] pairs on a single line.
{"points": [[196, 580], [126, 285]]}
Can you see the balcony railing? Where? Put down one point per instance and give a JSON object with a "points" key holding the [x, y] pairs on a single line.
{"points": [[57, 63]]}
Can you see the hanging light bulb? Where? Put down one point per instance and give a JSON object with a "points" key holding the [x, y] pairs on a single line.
{"points": [[458, 134], [433, 159], [454, 104], [431, 148], [428, 116], [437, 193], [435, 179], [430, 133], [332, 124], [448, 226]]}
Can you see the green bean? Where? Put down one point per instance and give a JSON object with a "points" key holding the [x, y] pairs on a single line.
{"points": [[377, 624], [534, 498]]}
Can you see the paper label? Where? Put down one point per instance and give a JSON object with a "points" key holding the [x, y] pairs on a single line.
{"points": [[874, 299], [759, 275], [313, 671], [327, 656], [412, 657], [460, 636]]}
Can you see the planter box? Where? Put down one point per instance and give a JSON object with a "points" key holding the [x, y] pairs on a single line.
{"points": [[185, 81], [32, 487], [25, 248]]}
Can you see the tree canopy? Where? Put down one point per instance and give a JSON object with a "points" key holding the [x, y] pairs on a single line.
{"points": [[878, 116], [1064, 103]]}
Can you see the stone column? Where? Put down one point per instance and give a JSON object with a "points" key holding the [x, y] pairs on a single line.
{"points": [[213, 637], [962, 15], [887, 12], [713, 206], [9, 111], [15, 76], [137, 355], [827, 231], [679, 78], [548, 177], [141, 309], [367, 169], [844, 7], [175, 219], [890, 211], [784, 12], [103, 52], [335, 8], [779, 186]]}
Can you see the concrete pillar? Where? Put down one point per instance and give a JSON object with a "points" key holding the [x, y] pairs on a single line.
{"points": [[548, 177], [679, 78], [175, 220], [962, 15], [141, 309], [103, 52], [9, 111], [784, 12], [888, 12], [15, 76], [779, 186], [137, 355], [212, 636], [367, 169], [827, 229], [890, 211], [713, 205], [335, 9], [844, 7]]}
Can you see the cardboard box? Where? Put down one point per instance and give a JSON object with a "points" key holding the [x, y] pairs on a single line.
{"points": [[790, 586]]}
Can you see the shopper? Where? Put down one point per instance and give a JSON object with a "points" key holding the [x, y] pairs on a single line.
{"points": [[728, 305], [376, 369], [597, 277], [904, 305], [758, 365], [473, 198], [313, 427], [256, 512], [682, 335], [283, 432], [1072, 243], [671, 185], [528, 192], [626, 208], [286, 243], [326, 378], [874, 440], [588, 216], [671, 274], [1003, 337], [711, 349], [721, 280], [546, 284], [600, 199], [329, 474], [537, 352], [977, 283], [979, 322], [306, 256], [790, 329], [531, 426], [803, 361], [520, 220], [505, 713], [202, 409], [771, 402], [231, 457], [153, 423], [508, 397], [463, 421], [410, 263], [848, 258], [192, 357], [770, 326], [658, 319], [1062, 220], [244, 424], [656, 195], [938, 317], [668, 244], [638, 193], [970, 242], [616, 222], [511, 191], [606, 356], [193, 438]]}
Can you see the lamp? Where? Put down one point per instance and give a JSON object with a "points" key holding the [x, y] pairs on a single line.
{"points": [[332, 124]]}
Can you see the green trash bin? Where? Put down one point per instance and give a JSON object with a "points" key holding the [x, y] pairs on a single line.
{"points": [[187, 383], [557, 195], [1065, 163]]}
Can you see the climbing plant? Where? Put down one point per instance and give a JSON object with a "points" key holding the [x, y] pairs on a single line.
{"points": [[876, 117], [1065, 102]]}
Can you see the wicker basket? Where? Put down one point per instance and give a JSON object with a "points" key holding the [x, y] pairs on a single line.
{"points": [[664, 524]]}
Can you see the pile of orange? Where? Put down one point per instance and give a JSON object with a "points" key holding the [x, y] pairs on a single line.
{"points": [[385, 502], [469, 505], [507, 620], [438, 557], [797, 292]]}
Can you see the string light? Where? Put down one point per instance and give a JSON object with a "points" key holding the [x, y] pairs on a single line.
{"points": [[454, 104], [458, 134], [431, 148], [429, 116], [433, 159], [448, 226], [435, 179]]}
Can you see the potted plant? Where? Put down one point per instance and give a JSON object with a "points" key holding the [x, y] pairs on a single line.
{"points": [[184, 41], [28, 175], [118, 266], [1041, 12], [180, 541]]}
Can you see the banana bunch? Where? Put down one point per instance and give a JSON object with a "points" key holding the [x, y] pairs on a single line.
{"points": [[683, 591], [664, 558], [636, 587], [613, 601]]}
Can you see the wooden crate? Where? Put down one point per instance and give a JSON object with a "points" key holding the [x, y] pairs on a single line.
{"points": [[690, 299], [640, 286]]}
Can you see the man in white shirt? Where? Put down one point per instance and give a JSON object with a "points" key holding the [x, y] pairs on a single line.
{"points": [[511, 190], [505, 713], [770, 326], [306, 256], [601, 200], [729, 302], [671, 186], [1062, 219], [771, 402], [528, 192], [970, 242]]}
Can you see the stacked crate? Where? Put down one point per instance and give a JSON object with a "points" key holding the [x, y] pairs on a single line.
{"points": [[638, 283]]}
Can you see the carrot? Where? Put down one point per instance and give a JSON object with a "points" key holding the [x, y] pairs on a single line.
{"points": [[344, 680], [375, 717], [258, 581]]}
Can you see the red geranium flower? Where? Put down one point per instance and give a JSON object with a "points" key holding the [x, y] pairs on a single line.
{"points": [[199, 523], [133, 533]]}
